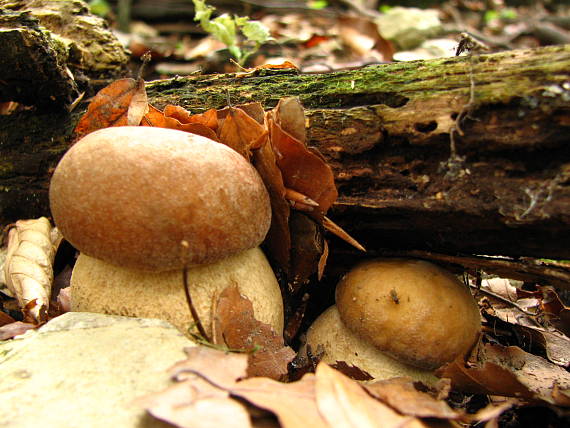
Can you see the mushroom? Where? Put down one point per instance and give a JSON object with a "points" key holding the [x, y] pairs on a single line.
{"points": [[334, 342], [142, 204], [396, 310]]}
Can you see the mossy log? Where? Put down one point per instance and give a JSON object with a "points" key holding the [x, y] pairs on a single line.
{"points": [[385, 130]]}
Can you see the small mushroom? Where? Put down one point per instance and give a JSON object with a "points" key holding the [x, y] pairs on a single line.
{"points": [[142, 203], [331, 339], [405, 312], [411, 309]]}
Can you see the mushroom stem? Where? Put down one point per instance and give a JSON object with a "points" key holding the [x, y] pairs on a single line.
{"points": [[193, 311]]}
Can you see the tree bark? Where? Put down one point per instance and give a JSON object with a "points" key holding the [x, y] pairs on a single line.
{"points": [[385, 130]]}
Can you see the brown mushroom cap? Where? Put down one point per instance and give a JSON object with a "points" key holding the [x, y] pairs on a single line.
{"points": [[132, 195], [329, 335], [410, 309]]}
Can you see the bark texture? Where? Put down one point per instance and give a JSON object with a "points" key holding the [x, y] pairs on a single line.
{"points": [[385, 130]]}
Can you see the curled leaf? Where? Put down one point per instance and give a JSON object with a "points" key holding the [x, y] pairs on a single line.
{"points": [[28, 269]]}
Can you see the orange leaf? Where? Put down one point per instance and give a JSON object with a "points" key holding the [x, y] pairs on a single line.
{"points": [[208, 118], [302, 170], [121, 103], [241, 132], [156, 118]]}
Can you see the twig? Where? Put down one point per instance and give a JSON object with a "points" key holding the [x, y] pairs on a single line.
{"points": [[193, 311]]}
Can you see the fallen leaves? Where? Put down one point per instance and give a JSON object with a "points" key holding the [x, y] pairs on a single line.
{"points": [[324, 399], [297, 177], [509, 371]]}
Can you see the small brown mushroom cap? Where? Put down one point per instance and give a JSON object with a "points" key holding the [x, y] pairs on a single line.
{"points": [[411, 309], [329, 335], [133, 195], [98, 286]]}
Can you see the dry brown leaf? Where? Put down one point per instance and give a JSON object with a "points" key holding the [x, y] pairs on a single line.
{"points": [[302, 170], [235, 325], [278, 240], [402, 395], [507, 371], [156, 118], [28, 269], [351, 371], [241, 132], [344, 404], [307, 246], [293, 403], [208, 118], [112, 106]]}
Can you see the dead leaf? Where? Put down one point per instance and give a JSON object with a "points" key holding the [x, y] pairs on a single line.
{"points": [[138, 105], [278, 239], [290, 116], [344, 404], [351, 371], [112, 107], [234, 325], [302, 170], [307, 246], [197, 401], [508, 371], [9, 331], [28, 269], [402, 395], [209, 118], [293, 403], [159, 119], [241, 132]]}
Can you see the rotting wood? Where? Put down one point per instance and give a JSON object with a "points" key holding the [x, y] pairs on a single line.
{"points": [[385, 131]]}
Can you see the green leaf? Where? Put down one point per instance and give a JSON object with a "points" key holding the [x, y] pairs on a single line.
{"points": [[255, 31], [202, 11], [318, 4]]}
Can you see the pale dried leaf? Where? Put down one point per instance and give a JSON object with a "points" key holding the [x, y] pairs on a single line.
{"points": [[16, 328], [344, 404], [217, 366], [293, 403], [196, 403], [138, 106], [28, 269], [290, 114]]}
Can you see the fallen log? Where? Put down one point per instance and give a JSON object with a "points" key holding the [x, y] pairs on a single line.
{"points": [[385, 130]]}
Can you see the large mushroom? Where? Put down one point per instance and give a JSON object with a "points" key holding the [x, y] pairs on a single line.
{"points": [[142, 204], [399, 317]]}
